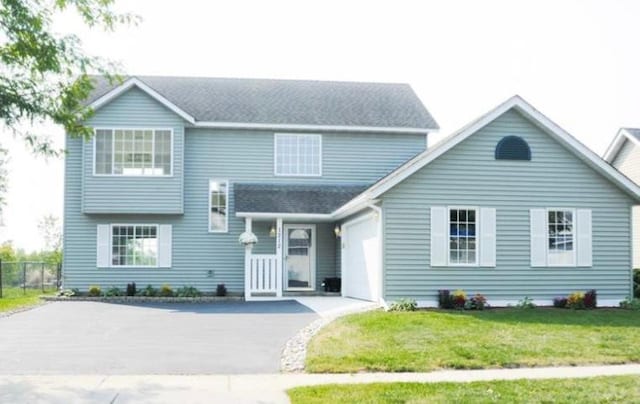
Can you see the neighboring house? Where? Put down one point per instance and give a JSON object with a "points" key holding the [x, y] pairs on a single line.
{"points": [[624, 154], [334, 180]]}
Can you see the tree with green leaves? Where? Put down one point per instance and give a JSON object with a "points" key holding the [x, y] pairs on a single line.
{"points": [[51, 231], [45, 76]]}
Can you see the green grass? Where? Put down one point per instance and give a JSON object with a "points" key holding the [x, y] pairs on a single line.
{"points": [[13, 298], [500, 338], [611, 389]]}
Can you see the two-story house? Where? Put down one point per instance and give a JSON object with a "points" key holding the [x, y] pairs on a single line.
{"points": [[624, 154], [334, 179]]}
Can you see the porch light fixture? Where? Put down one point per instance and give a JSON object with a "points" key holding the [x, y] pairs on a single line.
{"points": [[337, 231], [272, 231]]}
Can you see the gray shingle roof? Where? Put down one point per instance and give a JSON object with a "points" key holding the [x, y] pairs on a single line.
{"points": [[301, 102], [633, 132], [287, 198]]}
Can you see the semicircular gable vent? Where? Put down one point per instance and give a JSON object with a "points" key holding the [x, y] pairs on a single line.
{"points": [[513, 148]]}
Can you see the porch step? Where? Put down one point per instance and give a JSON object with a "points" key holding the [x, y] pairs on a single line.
{"points": [[310, 293]]}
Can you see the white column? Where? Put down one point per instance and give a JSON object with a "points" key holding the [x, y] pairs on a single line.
{"points": [[247, 262], [279, 237]]}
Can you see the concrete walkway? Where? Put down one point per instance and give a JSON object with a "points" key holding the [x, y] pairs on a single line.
{"points": [[269, 388]]}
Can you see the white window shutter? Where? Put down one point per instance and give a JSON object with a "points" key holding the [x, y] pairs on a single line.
{"points": [[103, 246], [164, 246], [538, 237], [439, 236], [583, 238], [487, 243]]}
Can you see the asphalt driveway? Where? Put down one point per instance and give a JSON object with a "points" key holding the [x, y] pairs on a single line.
{"points": [[103, 338]]}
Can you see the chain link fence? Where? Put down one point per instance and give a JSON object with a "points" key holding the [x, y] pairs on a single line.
{"points": [[29, 275]]}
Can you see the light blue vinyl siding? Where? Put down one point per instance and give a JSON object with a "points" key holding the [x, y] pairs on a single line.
{"points": [[468, 175], [201, 258], [122, 194]]}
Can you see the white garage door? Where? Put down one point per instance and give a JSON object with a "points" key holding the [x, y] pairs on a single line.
{"points": [[361, 258]]}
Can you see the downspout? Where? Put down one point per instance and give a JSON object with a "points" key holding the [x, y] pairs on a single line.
{"points": [[378, 211]]}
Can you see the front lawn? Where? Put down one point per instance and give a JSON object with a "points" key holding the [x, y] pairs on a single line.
{"points": [[428, 340], [611, 389], [14, 298]]}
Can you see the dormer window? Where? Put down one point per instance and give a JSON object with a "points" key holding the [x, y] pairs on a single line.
{"points": [[133, 152], [298, 155], [513, 148]]}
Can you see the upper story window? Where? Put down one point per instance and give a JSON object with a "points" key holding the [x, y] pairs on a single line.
{"points": [[298, 155], [146, 152], [218, 206]]}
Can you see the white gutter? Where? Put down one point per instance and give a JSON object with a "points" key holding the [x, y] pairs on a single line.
{"points": [[353, 206], [276, 215], [303, 127]]}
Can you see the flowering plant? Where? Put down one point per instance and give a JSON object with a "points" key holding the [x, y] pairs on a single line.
{"points": [[459, 298]]}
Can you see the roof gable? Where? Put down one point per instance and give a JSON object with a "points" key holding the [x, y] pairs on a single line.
{"points": [[530, 113], [281, 104], [624, 134], [106, 97]]}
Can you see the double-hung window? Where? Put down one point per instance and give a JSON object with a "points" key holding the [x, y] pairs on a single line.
{"points": [[462, 236], [218, 205], [298, 155], [560, 237], [134, 245], [125, 152]]}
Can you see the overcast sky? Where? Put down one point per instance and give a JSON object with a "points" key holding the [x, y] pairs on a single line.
{"points": [[577, 61]]}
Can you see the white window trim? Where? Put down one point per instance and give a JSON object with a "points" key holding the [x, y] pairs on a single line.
{"points": [[456, 264], [114, 128], [112, 225], [275, 154], [226, 218], [573, 237]]}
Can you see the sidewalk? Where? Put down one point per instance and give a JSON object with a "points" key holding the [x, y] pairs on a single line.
{"points": [[269, 388]]}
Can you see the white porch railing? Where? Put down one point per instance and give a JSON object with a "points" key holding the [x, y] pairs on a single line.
{"points": [[263, 273]]}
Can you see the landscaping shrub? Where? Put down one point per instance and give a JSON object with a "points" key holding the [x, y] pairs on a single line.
{"points": [[636, 283], [131, 289], [445, 301], [166, 290], [590, 299], [476, 302], [576, 300], [67, 293], [221, 290], [560, 302], [188, 291], [150, 291], [526, 303], [404, 305], [114, 291], [94, 291], [459, 299], [630, 304]]}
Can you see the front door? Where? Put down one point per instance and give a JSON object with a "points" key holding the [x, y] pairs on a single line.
{"points": [[300, 256]]}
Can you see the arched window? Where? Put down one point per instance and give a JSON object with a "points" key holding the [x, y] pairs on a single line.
{"points": [[513, 148]]}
